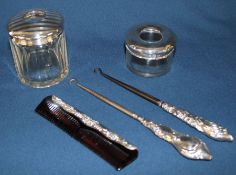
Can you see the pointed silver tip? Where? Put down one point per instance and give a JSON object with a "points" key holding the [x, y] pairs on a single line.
{"points": [[205, 153], [230, 138], [193, 148], [210, 157], [224, 137]]}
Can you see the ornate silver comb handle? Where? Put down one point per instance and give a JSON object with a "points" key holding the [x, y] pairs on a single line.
{"points": [[209, 128], [189, 147]]}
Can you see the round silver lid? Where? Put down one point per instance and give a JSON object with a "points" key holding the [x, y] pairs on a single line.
{"points": [[35, 27], [150, 41]]}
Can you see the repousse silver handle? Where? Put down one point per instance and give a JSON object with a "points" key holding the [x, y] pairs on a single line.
{"points": [[188, 146], [209, 128]]}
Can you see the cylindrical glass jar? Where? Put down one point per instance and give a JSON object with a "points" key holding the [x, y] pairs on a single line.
{"points": [[38, 46]]}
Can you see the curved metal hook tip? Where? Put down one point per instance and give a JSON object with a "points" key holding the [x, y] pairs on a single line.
{"points": [[73, 81], [98, 70]]}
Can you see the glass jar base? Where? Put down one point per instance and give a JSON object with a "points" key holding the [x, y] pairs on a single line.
{"points": [[44, 84], [149, 74]]}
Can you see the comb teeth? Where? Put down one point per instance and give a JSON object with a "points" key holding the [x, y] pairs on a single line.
{"points": [[115, 150], [60, 114]]}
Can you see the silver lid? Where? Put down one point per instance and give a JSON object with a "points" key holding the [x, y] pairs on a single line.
{"points": [[35, 27], [150, 41]]}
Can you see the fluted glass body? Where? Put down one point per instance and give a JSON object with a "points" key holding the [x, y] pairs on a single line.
{"points": [[39, 48]]}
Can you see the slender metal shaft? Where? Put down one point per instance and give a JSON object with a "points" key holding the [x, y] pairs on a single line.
{"points": [[136, 91], [104, 99], [209, 128], [189, 147]]}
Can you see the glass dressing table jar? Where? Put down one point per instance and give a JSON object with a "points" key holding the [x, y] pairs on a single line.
{"points": [[38, 46]]}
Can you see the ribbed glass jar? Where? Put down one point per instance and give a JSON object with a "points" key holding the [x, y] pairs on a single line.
{"points": [[38, 46]]}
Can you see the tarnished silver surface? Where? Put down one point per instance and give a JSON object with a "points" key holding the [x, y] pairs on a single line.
{"points": [[189, 147], [209, 128], [149, 49], [93, 123]]}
